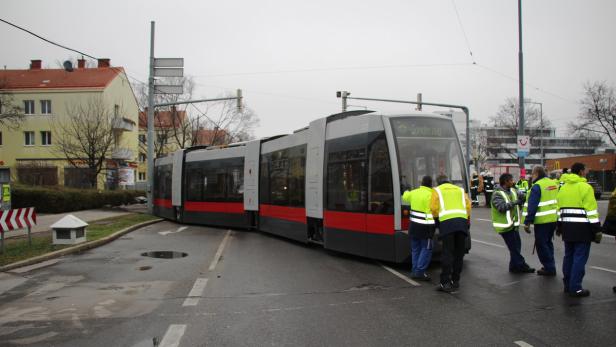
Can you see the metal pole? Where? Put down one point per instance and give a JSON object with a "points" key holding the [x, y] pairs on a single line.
{"points": [[150, 135], [521, 78], [541, 138], [344, 101], [468, 136], [29, 237], [2, 241]]}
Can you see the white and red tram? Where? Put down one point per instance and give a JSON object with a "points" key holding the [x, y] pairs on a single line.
{"points": [[337, 182]]}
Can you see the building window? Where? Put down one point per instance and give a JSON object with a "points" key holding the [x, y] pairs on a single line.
{"points": [[45, 106], [45, 138], [142, 176], [29, 138], [0, 138], [116, 110], [28, 106], [142, 157], [141, 138]]}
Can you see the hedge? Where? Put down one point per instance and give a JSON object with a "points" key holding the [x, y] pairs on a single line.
{"points": [[60, 199]]}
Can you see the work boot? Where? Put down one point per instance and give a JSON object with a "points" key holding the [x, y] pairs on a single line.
{"points": [[455, 284], [447, 288], [544, 272], [523, 270], [580, 293], [614, 289]]}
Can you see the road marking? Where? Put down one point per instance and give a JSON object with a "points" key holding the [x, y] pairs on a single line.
{"points": [[172, 232], [173, 335], [219, 252], [522, 344], [484, 220], [196, 292], [488, 243], [603, 269], [403, 277]]}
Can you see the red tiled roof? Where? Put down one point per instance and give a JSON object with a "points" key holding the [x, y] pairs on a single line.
{"points": [[206, 136], [57, 78], [162, 119]]}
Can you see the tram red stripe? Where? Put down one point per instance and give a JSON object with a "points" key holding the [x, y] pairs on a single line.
{"points": [[361, 222], [163, 202], [293, 214], [222, 207]]}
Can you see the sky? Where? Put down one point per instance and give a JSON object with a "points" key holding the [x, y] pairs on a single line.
{"points": [[290, 57]]}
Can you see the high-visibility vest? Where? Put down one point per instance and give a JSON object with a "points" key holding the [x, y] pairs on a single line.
{"points": [[548, 208], [522, 186], [505, 221], [419, 199], [452, 202], [577, 204]]}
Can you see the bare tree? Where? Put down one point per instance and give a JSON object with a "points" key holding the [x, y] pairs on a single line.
{"points": [[11, 115], [85, 136], [508, 118], [231, 125], [479, 147], [597, 112]]}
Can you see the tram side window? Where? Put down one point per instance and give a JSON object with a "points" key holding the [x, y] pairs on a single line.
{"points": [[282, 179], [215, 180], [162, 182], [380, 198], [346, 184]]}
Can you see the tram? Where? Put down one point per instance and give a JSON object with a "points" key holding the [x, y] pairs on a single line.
{"points": [[337, 182]]}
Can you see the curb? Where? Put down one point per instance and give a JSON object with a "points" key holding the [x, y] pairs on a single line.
{"points": [[77, 248]]}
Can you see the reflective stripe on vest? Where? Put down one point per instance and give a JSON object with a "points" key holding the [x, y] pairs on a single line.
{"points": [[420, 206], [450, 209], [497, 220], [548, 205]]}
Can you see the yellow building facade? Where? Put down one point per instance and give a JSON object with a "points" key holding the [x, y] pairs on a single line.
{"points": [[49, 97]]}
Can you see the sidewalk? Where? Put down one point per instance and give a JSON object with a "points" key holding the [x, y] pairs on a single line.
{"points": [[44, 221]]}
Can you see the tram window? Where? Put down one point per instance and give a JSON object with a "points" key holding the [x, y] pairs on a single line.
{"points": [[380, 198], [215, 180], [194, 183], [162, 176], [282, 180], [346, 186]]}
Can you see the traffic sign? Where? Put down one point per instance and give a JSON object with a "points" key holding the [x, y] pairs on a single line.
{"points": [[169, 72], [168, 89], [168, 62], [523, 145]]}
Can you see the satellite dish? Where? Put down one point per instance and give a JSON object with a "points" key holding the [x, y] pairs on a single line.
{"points": [[68, 66]]}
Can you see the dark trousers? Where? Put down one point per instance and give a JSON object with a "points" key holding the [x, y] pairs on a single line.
{"points": [[488, 199], [421, 254], [576, 256], [474, 196], [545, 248], [451, 258], [514, 244]]}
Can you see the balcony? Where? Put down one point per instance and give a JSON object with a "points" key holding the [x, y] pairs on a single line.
{"points": [[122, 124], [122, 153]]}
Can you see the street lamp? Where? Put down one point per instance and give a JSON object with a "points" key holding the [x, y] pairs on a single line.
{"points": [[527, 101]]}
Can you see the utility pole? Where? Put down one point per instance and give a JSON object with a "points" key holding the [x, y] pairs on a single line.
{"points": [[344, 95], [521, 80], [150, 135]]}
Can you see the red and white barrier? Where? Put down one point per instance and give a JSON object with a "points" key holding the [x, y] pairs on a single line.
{"points": [[17, 219]]}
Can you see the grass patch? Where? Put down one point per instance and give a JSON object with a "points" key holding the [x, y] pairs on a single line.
{"points": [[17, 249]]}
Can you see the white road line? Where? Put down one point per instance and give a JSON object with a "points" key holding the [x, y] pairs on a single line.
{"points": [[522, 344], [484, 220], [219, 252], [173, 335], [172, 232], [603, 269], [488, 243], [404, 278], [196, 292]]}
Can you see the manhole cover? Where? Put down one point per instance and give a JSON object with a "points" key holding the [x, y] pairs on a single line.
{"points": [[165, 254]]}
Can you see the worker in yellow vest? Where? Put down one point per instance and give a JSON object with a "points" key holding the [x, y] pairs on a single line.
{"points": [[421, 227], [505, 207], [579, 225], [453, 208], [540, 209]]}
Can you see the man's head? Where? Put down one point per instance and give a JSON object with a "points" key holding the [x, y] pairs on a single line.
{"points": [[442, 179], [579, 169], [506, 181], [426, 181], [538, 172]]}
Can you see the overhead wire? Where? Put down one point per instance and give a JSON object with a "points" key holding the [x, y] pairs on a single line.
{"points": [[468, 45]]}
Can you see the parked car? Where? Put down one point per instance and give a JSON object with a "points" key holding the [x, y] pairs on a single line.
{"points": [[597, 187]]}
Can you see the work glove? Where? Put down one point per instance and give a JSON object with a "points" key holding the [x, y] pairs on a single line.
{"points": [[598, 237], [527, 228]]}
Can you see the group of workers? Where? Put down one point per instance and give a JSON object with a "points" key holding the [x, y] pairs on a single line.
{"points": [[565, 207], [482, 183]]}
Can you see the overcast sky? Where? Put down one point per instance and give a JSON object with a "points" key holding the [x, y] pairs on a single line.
{"points": [[290, 57]]}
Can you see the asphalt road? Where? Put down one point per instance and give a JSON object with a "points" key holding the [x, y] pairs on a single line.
{"points": [[240, 288]]}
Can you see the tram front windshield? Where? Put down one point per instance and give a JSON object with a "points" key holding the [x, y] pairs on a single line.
{"points": [[427, 146]]}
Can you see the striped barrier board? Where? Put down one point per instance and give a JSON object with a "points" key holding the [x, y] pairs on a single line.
{"points": [[17, 219]]}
